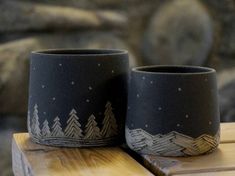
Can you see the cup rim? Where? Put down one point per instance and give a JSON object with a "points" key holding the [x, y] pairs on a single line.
{"points": [[194, 70], [80, 52]]}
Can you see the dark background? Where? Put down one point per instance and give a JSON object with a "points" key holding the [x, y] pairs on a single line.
{"points": [[194, 32]]}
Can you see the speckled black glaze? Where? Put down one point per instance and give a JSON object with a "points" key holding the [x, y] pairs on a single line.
{"points": [[83, 80], [183, 99]]}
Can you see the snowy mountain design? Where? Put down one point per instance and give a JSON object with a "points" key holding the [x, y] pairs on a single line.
{"points": [[73, 135], [171, 144]]}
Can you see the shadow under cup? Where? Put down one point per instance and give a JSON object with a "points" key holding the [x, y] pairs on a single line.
{"points": [[173, 110], [77, 98]]}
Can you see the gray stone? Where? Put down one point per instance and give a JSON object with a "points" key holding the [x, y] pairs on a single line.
{"points": [[5, 152], [91, 4], [109, 3], [227, 102], [180, 32], [226, 85], [92, 40], [27, 16], [223, 13], [14, 76], [8, 126], [14, 63], [139, 13], [226, 76]]}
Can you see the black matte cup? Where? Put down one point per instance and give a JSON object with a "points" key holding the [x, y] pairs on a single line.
{"points": [[78, 98], [173, 110]]}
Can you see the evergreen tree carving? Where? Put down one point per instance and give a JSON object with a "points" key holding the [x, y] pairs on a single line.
{"points": [[92, 131], [28, 122], [35, 123], [46, 129], [73, 128], [110, 127], [56, 128]]}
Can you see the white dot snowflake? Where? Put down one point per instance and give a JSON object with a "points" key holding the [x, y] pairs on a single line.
{"points": [[210, 122], [53, 98], [138, 95], [151, 82], [60, 65], [72, 82], [44, 113], [178, 125], [43, 86], [159, 108], [87, 100], [187, 116], [146, 125], [179, 89], [90, 88], [99, 64], [143, 77], [112, 71]]}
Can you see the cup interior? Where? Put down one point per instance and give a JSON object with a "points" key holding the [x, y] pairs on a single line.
{"points": [[81, 52], [173, 69]]}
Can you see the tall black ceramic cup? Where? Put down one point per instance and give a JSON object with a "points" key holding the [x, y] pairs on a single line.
{"points": [[77, 97], [173, 110]]}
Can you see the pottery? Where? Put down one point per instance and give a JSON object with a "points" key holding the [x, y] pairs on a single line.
{"points": [[77, 98], [173, 111]]}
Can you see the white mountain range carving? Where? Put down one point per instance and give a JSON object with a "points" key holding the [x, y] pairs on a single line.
{"points": [[171, 144]]}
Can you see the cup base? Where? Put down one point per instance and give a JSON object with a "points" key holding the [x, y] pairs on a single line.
{"points": [[71, 142]]}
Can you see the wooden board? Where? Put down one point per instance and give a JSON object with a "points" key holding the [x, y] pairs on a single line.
{"points": [[223, 159], [33, 159], [227, 133], [219, 173]]}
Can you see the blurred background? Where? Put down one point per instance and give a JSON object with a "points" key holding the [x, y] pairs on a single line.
{"points": [[183, 32]]}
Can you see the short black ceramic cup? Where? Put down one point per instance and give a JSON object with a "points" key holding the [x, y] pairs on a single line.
{"points": [[77, 98], [173, 110]]}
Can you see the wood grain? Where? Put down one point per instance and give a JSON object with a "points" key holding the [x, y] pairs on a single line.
{"points": [[227, 133], [33, 159], [221, 162], [219, 173], [223, 159]]}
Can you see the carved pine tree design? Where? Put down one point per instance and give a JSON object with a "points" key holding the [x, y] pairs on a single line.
{"points": [[110, 127], [91, 129], [73, 128], [28, 122], [46, 129], [56, 128], [35, 129]]}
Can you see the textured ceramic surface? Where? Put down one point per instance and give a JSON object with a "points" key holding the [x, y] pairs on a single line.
{"points": [[173, 110], [77, 97]]}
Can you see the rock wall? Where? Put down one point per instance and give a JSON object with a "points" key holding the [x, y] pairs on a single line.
{"points": [[195, 32]]}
